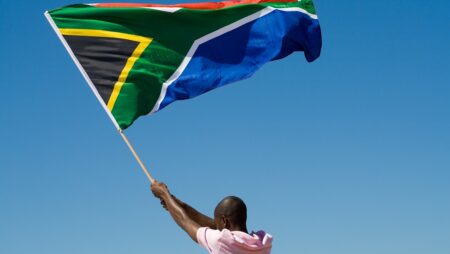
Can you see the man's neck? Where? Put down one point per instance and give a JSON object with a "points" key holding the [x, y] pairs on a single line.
{"points": [[242, 228]]}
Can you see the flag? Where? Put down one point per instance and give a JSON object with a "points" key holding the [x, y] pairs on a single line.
{"points": [[139, 58]]}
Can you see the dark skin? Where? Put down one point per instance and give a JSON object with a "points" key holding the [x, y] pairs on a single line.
{"points": [[230, 213]]}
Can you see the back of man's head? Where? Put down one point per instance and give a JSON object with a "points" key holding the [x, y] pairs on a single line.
{"points": [[234, 209]]}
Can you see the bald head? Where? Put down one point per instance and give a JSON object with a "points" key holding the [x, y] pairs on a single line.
{"points": [[234, 210]]}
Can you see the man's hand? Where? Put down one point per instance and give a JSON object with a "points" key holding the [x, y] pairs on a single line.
{"points": [[160, 190], [177, 212]]}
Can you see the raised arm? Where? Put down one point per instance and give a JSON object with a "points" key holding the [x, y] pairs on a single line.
{"points": [[177, 212], [201, 219]]}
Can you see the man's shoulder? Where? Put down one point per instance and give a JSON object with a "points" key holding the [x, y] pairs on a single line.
{"points": [[211, 239], [234, 241]]}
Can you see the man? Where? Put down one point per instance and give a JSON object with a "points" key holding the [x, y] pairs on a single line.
{"points": [[226, 234]]}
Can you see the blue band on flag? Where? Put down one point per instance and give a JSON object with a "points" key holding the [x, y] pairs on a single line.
{"points": [[237, 54]]}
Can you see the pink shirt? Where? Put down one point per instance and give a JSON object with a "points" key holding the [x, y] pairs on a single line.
{"points": [[234, 242]]}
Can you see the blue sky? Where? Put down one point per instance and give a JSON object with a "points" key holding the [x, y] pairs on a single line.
{"points": [[346, 155]]}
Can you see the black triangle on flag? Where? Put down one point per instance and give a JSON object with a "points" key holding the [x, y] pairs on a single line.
{"points": [[103, 59]]}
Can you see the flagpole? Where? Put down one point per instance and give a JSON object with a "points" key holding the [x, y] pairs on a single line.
{"points": [[149, 176]]}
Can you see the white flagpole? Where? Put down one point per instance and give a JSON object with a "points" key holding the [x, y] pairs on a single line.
{"points": [[149, 176]]}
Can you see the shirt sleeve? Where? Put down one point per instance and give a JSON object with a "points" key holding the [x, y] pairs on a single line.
{"points": [[208, 238]]}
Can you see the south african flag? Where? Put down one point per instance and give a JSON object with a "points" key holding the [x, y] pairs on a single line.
{"points": [[139, 58]]}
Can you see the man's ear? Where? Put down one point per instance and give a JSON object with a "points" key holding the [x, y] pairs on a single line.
{"points": [[225, 222]]}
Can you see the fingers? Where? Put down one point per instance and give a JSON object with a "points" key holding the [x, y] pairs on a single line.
{"points": [[158, 185], [159, 189]]}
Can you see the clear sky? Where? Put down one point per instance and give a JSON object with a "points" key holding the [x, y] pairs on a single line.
{"points": [[346, 155]]}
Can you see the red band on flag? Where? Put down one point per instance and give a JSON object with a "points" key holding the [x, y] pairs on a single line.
{"points": [[200, 6]]}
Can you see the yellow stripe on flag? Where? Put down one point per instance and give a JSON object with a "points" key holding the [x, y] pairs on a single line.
{"points": [[143, 44]]}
